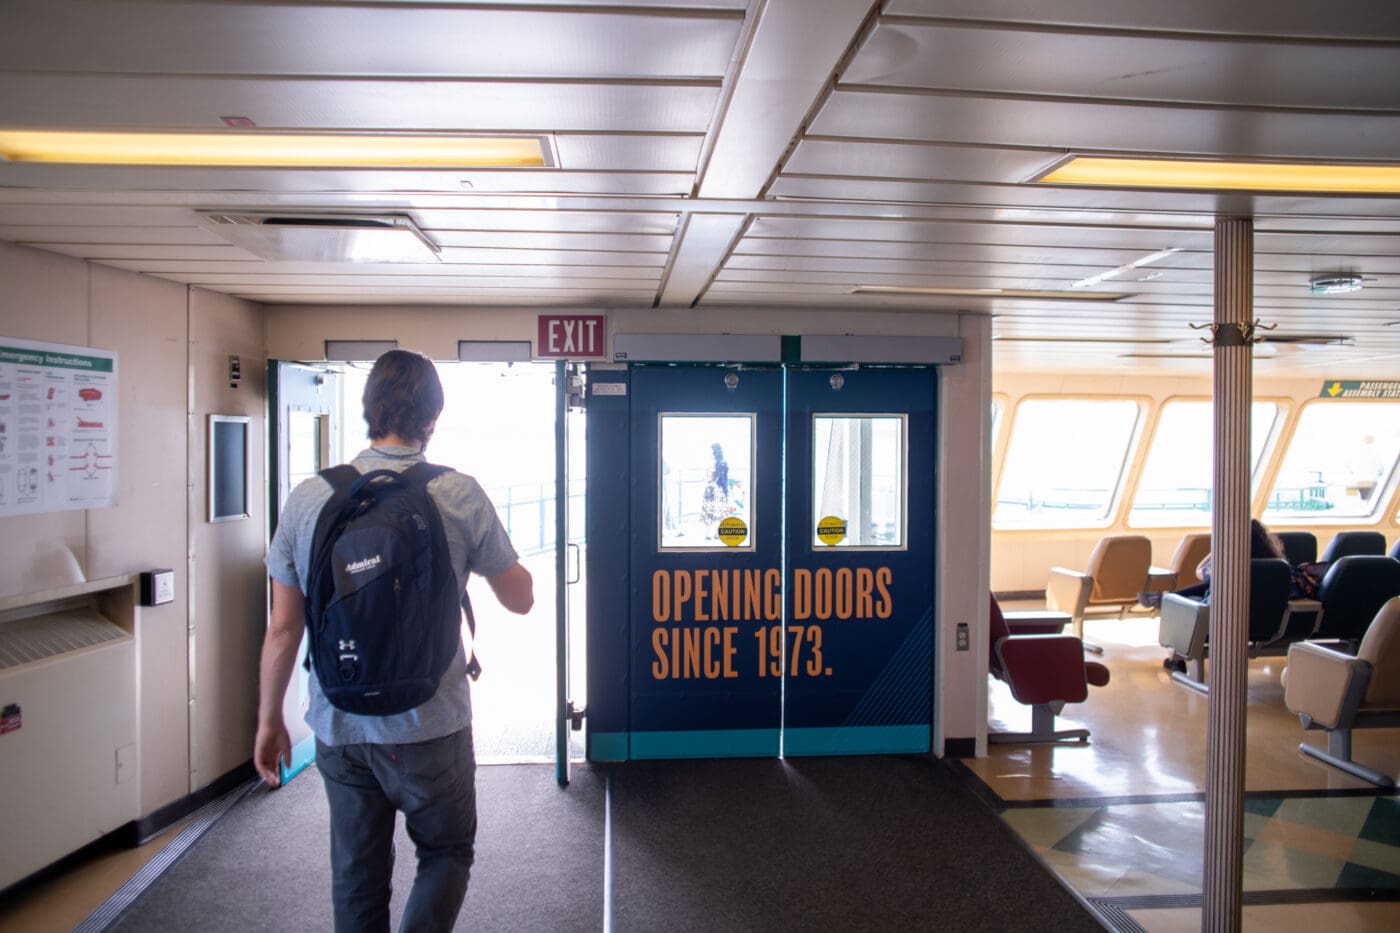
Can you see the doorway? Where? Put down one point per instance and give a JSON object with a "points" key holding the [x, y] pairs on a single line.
{"points": [[777, 580], [498, 426]]}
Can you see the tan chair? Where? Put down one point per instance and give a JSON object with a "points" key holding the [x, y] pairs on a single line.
{"points": [[1336, 692], [1189, 553], [1120, 568]]}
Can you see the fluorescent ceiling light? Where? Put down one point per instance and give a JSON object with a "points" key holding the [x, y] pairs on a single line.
{"points": [[1113, 273], [1248, 176], [1045, 294], [275, 150]]}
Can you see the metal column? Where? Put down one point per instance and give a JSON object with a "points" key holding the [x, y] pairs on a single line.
{"points": [[1229, 614]]}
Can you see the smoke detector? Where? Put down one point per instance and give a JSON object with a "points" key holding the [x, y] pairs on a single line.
{"points": [[1334, 283]]}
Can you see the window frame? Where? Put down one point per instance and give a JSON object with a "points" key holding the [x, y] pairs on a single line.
{"points": [[719, 547], [812, 518], [1127, 467]]}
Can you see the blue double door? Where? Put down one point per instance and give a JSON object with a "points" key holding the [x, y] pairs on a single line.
{"points": [[781, 561]]}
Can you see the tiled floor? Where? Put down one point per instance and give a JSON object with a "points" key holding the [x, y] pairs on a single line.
{"points": [[1122, 817]]}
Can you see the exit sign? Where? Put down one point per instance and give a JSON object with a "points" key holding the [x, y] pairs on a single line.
{"points": [[572, 336]]}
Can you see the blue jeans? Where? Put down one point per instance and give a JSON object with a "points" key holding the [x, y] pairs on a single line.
{"points": [[434, 784]]}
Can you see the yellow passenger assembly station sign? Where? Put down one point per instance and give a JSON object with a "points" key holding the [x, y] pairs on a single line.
{"points": [[1360, 388]]}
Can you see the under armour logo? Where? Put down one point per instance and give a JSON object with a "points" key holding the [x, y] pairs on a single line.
{"points": [[347, 645]]}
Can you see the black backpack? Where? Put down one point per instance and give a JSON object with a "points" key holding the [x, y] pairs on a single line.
{"points": [[382, 606]]}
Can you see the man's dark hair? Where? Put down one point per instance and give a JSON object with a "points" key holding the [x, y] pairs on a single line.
{"points": [[403, 396]]}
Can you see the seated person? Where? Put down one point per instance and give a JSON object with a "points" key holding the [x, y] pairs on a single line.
{"points": [[1306, 578], [1262, 544]]}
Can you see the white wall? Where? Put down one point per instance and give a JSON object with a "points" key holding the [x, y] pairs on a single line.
{"points": [[169, 340], [228, 603]]}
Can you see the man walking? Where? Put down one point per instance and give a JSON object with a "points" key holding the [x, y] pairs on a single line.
{"points": [[420, 762]]}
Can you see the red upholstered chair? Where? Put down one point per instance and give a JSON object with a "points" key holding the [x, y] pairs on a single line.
{"points": [[1044, 672]]}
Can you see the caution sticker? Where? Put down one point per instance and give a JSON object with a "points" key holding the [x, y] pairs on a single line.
{"points": [[831, 530], [733, 531]]}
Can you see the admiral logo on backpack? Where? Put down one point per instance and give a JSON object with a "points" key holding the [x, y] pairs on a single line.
{"points": [[382, 607], [362, 565]]}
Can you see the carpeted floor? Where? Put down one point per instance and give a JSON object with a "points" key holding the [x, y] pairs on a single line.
{"points": [[266, 865], [832, 844]]}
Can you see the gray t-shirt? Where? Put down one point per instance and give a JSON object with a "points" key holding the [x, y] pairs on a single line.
{"points": [[476, 542]]}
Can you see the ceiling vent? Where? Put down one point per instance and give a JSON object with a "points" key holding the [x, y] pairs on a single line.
{"points": [[1334, 284], [293, 237]]}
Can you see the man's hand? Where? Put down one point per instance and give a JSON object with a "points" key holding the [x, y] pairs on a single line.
{"points": [[272, 745], [279, 656]]}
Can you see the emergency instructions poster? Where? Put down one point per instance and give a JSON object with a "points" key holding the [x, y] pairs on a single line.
{"points": [[58, 427]]}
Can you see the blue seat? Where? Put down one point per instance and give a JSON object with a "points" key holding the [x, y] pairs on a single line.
{"points": [[1185, 622], [1352, 592], [1300, 547], [1352, 544]]}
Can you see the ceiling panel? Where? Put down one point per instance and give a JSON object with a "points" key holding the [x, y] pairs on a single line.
{"points": [[1079, 126], [342, 189], [496, 239], [1066, 262], [1103, 205], [534, 257], [634, 153], [384, 274], [562, 221], [167, 254], [1130, 66], [911, 232], [328, 39], [410, 105], [1355, 19], [856, 158], [193, 235], [469, 295]]}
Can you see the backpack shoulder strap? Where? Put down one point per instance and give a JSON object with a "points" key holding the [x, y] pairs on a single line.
{"points": [[340, 477], [423, 473]]}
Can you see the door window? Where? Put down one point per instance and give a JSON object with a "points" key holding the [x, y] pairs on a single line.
{"points": [[706, 482], [858, 481]]}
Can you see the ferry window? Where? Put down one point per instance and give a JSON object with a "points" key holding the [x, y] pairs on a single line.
{"points": [[1064, 462], [706, 480], [1175, 489], [858, 481], [1340, 458]]}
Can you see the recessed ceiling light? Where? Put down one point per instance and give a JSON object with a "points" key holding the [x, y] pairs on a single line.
{"points": [[1043, 294], [1201, 174], [275, 150], [1334, 284], [1127, 267]]}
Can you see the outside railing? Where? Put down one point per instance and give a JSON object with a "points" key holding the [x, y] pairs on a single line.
{"points": [[527, 511]]}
